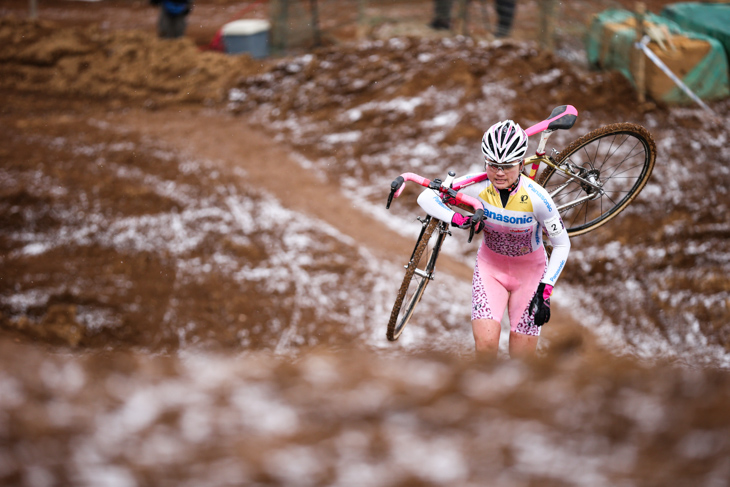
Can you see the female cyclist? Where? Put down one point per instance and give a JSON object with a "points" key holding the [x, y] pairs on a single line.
{"points": [[512, 270]]}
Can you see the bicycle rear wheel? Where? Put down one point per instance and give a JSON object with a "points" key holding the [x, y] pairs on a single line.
{"points": [[617, 159], [419, 272]]}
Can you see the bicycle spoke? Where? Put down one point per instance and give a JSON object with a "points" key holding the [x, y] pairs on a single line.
{"points": [[577, 214], [624, 160]]}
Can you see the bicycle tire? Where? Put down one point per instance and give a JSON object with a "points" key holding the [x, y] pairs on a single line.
{"points": [[586, 157], [414, 284]]}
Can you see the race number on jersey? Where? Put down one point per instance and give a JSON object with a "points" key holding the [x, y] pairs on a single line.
{"points": [[554, 226]]}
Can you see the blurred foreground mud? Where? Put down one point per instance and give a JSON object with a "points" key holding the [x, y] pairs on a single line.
{"points": [[359, 418]]}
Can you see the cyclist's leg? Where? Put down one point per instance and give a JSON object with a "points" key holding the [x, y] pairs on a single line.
{"points": [[486, 337], [524, 334], [489, 300], [521, 345]]}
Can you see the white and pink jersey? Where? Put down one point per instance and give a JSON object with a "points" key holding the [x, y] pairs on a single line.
{"points": [[514, 229]]}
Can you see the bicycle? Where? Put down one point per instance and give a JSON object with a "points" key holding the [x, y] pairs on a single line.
{"points": [[591, 181]]}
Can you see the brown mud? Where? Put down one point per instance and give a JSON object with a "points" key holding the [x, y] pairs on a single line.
{"points": [[197, 267]]}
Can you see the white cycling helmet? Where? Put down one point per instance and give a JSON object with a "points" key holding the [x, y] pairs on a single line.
{"points": [[504, 142]]}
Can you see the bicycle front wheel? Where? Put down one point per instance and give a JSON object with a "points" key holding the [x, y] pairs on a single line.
{"points": [[419, 272], [613, 163]]}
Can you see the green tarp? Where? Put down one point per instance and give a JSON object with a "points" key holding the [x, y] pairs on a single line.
{"points": [[712, 19], [708, 79]]}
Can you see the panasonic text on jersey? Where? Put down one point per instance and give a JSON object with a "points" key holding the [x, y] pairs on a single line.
{"points": [[557, 273], [506, 218], [542, 197]]}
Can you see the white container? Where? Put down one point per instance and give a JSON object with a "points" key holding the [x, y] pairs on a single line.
{"points": [[250, 36]]}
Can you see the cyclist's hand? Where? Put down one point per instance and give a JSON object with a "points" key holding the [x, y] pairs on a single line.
{"points": [[478, 226], [540, 304], [461, 221]]}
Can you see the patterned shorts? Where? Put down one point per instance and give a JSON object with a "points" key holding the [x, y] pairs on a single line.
{"points": [[502, 282]]}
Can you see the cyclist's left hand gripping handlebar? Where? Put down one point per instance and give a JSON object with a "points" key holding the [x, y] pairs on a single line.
{"points": [[478, 215]]}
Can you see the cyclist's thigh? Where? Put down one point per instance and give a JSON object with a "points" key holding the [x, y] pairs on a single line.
{"points": [[488, 296], [529, 273]]}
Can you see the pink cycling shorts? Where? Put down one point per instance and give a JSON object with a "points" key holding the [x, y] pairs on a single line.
{"points": [[500, 281]]}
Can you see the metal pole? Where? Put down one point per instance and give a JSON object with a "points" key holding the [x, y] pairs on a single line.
{"points": [[33, 9], [660, 64], [485, 15], [315, 23], [361, 12], [547, 25], [279, 22], [463, 8], [641, 62]]}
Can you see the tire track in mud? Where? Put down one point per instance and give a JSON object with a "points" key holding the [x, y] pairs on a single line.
{"points": [[233, 142]]}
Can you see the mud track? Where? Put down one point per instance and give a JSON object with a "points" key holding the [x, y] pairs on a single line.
{"points": [[231, 142]]}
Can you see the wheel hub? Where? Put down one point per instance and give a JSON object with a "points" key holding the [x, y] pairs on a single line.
{"points": [[594, 177]]}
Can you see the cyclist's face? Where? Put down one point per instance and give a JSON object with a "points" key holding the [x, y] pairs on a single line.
{"points": [[503, 176]]}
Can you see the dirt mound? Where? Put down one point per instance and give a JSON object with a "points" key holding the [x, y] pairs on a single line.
{"points": [[43, 57], [344, 76]]}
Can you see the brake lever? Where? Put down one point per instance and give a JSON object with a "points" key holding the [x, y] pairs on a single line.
{"points": [[397, 183]]}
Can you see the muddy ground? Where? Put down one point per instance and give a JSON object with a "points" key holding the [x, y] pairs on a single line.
{"points": [[197, 265]]}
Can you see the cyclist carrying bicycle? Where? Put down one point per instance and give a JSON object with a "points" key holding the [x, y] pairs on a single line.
{"points": [[512, 269]]}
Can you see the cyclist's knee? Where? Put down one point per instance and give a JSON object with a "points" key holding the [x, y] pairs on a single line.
{"points": [[486, 335]]}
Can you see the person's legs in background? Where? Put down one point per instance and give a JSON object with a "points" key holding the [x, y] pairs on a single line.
{"points": [[173, 18], [441, 14], [171, 26], [505, 16]]}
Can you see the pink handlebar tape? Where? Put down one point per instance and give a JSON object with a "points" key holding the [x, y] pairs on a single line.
{"points": [[460, 197]]}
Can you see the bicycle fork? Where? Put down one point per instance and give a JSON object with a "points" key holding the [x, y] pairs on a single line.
{"points": [[428, 271]]}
